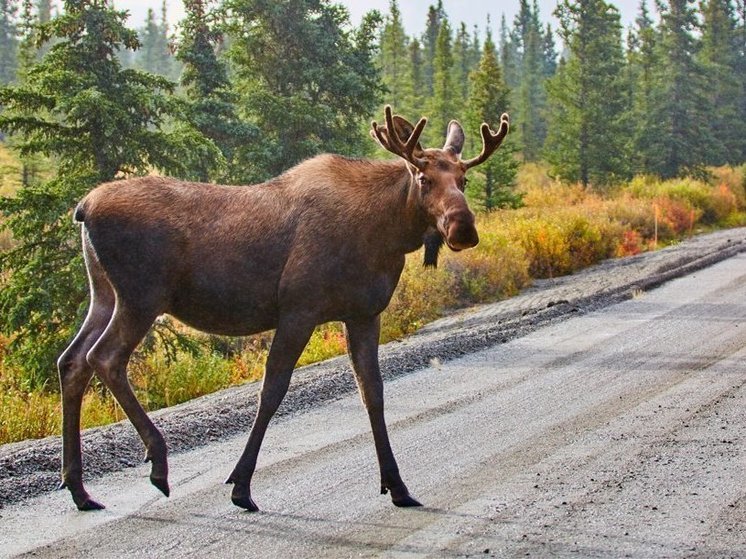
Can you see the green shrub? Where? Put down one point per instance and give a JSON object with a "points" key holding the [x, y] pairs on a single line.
{"points": [[327, 340], [161, 382], [494, 270], [422, 295]]}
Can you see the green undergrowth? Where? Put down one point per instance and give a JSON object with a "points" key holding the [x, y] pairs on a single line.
{"points": [[561, 229]]}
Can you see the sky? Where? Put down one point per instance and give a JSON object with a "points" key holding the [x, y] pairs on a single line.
{"points": [[414, 12]]}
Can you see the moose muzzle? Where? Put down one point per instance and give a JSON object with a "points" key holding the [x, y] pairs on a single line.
{"points": [[459, 230]]}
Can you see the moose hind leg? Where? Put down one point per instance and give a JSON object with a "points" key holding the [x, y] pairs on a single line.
{"points": [[362, 343], [290, 339], [109, 358], [75, 374]]}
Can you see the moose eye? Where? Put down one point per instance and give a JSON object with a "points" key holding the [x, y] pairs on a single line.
{"points": [[423, 181]]}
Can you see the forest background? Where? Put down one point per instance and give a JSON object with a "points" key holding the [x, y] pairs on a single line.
{"points": [[621, 139]]}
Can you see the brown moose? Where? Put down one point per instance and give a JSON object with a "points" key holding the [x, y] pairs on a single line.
{"points": [[324, 241]]}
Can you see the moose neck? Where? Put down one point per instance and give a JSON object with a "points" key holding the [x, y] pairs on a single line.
{"points": [[408, 221]]}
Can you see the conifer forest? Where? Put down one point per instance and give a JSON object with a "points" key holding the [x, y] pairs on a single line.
{"points": [[241, 90]]}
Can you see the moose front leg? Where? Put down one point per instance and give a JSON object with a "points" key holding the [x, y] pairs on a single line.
{"points": [[290, 339], [362, 342]]}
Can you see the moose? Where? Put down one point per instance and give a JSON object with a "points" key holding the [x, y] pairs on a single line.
{"points": [[325, 241]]}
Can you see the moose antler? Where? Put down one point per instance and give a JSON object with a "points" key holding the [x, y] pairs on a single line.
{"points": [[389, 138], [490, 141]]}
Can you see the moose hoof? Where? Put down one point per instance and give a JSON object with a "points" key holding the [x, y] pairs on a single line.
{"points": [[80, 496], [241, 497], [246, 503], [406, 501], [90, 504], [161, 484]]}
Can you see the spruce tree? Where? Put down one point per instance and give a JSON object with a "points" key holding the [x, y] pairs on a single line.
{"points": [[31, 164], [99, 122], [679, 117], [26, 34], [475, 48], [462, 61], [719, 59], [530, 97], [493, 186], [740, 51], [444, 103], [43, 16], [549, 53], [587, 133], [641, 65], [155, 54], [435, 16], [393, 59], [148, 56], [8, 41], [212, 101], [509, 57], [305, 79], [416, 78]]}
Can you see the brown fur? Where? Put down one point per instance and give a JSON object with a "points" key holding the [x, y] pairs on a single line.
{"points": [[324, 241]]}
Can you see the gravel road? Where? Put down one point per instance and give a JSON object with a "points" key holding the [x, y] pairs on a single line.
{"points": [[614, 416]]}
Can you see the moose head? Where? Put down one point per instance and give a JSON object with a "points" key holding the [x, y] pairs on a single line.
{"points": [[439, 176]]}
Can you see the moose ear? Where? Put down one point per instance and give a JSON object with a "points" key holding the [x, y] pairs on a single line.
{"points": [[454, 138], [404, 129]]}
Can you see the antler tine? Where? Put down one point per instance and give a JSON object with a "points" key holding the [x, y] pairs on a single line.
{"points": [[380, 134], [408, 146], [490, 142], [415, 136], [389, 139]]}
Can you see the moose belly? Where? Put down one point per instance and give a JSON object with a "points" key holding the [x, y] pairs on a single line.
{"points": [[226, 310]]}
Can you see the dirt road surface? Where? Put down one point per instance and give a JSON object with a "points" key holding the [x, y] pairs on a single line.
{"points": [[594, 416]]}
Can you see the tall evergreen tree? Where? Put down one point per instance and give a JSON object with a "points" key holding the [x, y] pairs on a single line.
{"points": [[149, 53], [435, 16], [509, 56], [26, 32], [8, 41], [679, 117], [475, 48], [212, 102], [443, 104], [641, 66], [587, 134], [719, 59], [155, 54], [305, 80], [462, 61], [43, 16], [740, 72], [99, 122], [416, 77], [530, 96], [393, 59], [494, 185], [549, 53], [27, 53]]}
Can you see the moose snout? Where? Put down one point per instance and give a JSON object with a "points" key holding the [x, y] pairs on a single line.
{"points": [[459, 230]]}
